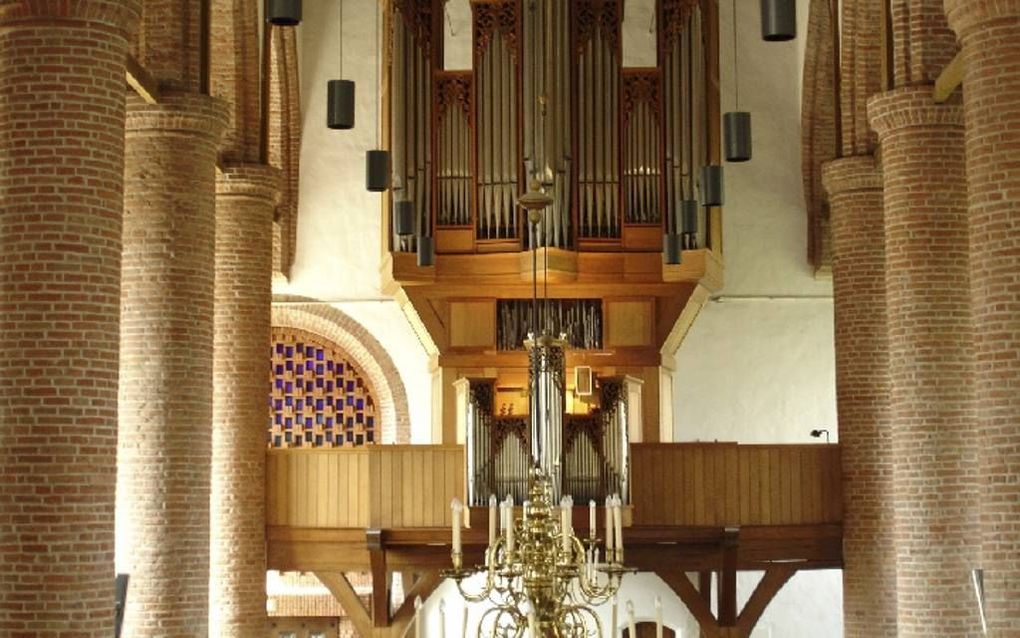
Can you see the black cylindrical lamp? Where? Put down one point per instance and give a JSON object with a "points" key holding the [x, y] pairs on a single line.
{"points": [[737, 129], [426, 251], [778, 20], [689, 216], [283, 13], [403, 218], [672, 248], [377, 171], [340, 105], [712, 185]]}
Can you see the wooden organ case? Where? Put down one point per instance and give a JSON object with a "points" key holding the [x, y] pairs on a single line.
{"points": [[547, 99]]}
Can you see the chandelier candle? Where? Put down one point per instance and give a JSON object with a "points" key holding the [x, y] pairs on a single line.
{"points": [[630, 619], [609, 528], [613, 613], [617, 530], [658, 617], [417, 617], [591, 519], [492, 520], [457, 510], [566, 512]]}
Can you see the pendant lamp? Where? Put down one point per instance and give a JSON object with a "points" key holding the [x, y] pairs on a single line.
{"points": [[283, 13], [426, 251], [712, 185], [340, 93], [778, 20], [688, 217], [672, 248], [377, 161], [403, 218], [736, 123]]}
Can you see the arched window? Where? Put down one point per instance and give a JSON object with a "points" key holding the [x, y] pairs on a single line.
{"points": [[318, 398]]}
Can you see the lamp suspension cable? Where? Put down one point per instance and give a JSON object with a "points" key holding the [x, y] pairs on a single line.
{"points": [[341, 35], [736, 72]]}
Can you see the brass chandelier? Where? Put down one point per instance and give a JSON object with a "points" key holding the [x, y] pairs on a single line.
{"points": [[539, 577]]}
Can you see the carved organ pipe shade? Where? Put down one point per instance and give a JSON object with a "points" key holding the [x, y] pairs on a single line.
{"points": [[778, 20], [403, 218], [737, 127], [688, 216], [426, 251], [672, 248], [377, 171], [712, 185], [283, 13], [340, 105]]}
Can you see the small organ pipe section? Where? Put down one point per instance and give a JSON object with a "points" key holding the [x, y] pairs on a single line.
{"points": [[548, 126], [597, 50], [682, 58], [496, 69], [454, 177], [642, 146], [414, 49]]}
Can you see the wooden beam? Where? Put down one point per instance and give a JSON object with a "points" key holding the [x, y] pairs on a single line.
{"points": [[728, 580], [341, 588], [691, 597], [140, 81], [770, 584], [949, 80], [423, 587], [380, 579]]}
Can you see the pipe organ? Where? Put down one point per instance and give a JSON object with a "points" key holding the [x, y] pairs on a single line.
{"points": [[548, 99], [593, 455]]}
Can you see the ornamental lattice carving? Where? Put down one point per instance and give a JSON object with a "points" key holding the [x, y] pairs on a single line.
{"points": [[641, 86], [504, 428], [454, 90], [673, 20], [593, 16], [589, 425], [500, 17], [417, 16]]}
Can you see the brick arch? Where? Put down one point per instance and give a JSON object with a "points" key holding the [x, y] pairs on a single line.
{"points": [[366, 352]]}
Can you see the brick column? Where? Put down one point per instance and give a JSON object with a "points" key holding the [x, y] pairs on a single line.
{"points": [[930, 361], [61, 203], [246, 198], [854, 185], [990, 34], [166, 363]]}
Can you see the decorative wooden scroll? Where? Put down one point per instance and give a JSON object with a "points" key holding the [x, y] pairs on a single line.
{"points": [[454, 175], [597, 49], [318, 397], [497, 125], [682, 59], [642, 146], [415, 48]]}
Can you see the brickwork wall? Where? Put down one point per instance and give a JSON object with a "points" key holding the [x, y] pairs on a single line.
{"points": [[923, 43], [234, 75], [61, 202], [246, 197], [990, 33], [166, 363], [930, 361], [861, 71], [854, 185], [169, 44], [365, 350], [285, 144]]}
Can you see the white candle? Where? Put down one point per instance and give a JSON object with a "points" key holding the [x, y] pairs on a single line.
{"points": [[442, 619], [565, 524], [658, 617], [617, 529], [613, 621], [609, 529], [492, 520], [524, 511], [533, 624], [631, 631], [457, 509], [510, 524], [464, 616], [417, 617], [591, 519]]}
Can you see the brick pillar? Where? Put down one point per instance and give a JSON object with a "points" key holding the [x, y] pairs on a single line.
{"points": [[854, 185], [166, 363], [930, 361], [61, 203], [246, 198], [990, 34]]}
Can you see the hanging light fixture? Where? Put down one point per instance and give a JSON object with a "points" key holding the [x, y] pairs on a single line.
{"points": [[689, 204], [283, 13], [426, 251], [340, 93], [737, 123], [403, 217], [689, 217], [377, 161], [712, 185], [778, 20], [672, 248]]}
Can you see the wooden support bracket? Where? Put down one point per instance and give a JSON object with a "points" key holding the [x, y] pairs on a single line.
{"points": [[140, 81], [380, 579], [341, 588], [949, 80]]}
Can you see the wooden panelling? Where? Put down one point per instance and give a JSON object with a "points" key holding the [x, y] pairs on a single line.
{"points": [[721, 484], [389, 486], [629, 323], [473, 324]]}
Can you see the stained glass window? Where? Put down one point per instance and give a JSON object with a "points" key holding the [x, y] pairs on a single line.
{"points": [[318, 398]]}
